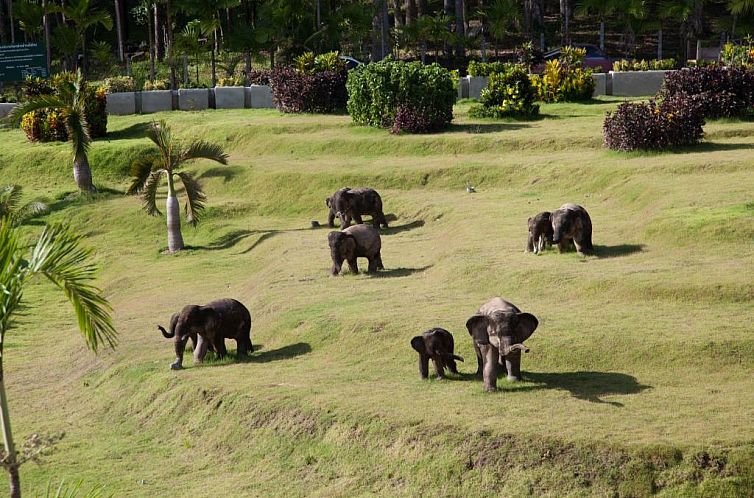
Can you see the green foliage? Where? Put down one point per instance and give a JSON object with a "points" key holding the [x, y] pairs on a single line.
{"points": [[563, 83], [572, 57], [75, 490], [377, 91], [119, 84], [508, 94], [308, 63], [644, 65], [11, 207], [156, 85], [477, 68], [738, 55]]}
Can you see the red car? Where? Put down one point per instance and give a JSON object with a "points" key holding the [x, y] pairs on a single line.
{"points": [[595, 58]]}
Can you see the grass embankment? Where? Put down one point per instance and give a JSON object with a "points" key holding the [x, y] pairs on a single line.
{"points": [[640, 375]]}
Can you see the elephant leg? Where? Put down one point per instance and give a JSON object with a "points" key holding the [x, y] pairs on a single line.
{"points": [[331, 219], [243, 346], [424, 365], [372, 268], [513, 366], [220, 350], [563, 245], [200, 350], [479, 361], [345, 220], [357, 219], [180, 347], [489, 353], [439, 367], [530, 244], [383, 220], [353, 265], [376, 221], [378, 259]]}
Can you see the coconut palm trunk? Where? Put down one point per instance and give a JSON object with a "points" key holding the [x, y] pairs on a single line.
{"points": [[173, 215], [10, 449]]}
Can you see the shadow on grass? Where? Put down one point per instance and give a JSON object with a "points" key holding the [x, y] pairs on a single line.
{"points": [[714, 147], [480, 128], [403, 228], [589, 386], [227, 173], [136, 130], [76, 197], [283, 353], [617, 251], [400, 272]]}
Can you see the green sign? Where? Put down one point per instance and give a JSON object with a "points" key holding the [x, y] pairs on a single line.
{"points": [[22, 60]]}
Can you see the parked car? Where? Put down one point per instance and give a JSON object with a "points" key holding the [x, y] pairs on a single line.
{"points": [[595, 58]]}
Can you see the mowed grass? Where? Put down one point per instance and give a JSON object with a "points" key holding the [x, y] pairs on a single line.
{"points": [[639, 378]]}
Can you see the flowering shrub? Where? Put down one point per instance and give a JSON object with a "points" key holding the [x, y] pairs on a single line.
{"points": [[477, 68], [424, 94], [507, 94], [320, 92], [721, 91], [738, 55], [643, 65], [230, 81], [654, 125], [563, 82], [48, 125], [156, 85], [119, 84]]}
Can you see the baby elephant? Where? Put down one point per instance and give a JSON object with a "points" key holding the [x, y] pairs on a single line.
{"points": [[540, 232], [358, 241], [571, 222], [350, 204], [437, 344]]}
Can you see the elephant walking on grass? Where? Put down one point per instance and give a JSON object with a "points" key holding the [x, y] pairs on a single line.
{"points": [[438, 345], [540, 232], [351, 204], [208, 326], [498, 330], [358, 241], [571, 222]]}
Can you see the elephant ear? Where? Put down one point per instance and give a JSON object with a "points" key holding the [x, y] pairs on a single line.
{"points": [[526, 324], [477, 326], [211, 319], [418, 344], [328, 201], [348, 246]]}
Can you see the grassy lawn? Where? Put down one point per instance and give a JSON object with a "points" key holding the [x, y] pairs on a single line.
{"points": [[639, 378]]}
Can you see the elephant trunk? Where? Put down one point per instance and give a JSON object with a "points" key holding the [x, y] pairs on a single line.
{"points": [[165, 333], [514, 347], [337, 258]]}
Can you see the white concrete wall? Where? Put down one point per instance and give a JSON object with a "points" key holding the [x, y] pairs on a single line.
{"points": [[636, 83], [259, 97], [229, 97], [156, 101], [600, 84], [5, 108], [193, 99], [121, 103]]}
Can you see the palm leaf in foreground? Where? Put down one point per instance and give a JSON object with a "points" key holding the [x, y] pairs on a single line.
{"points": [[195, 197]]}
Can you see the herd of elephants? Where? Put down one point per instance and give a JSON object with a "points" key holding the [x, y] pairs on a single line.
{"points": [[498, 329]]}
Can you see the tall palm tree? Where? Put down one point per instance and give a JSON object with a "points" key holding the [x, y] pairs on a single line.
{"points": [[70, 98], [11, 207], [167, 160], [603, 9], [84, 16], [58, 256]]}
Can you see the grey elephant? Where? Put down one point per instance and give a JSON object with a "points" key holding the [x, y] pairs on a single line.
{"points": [[358, 241], [351, 204], [540, 232], [498, 330], [208, 326], [571, 222], [436, 344]]}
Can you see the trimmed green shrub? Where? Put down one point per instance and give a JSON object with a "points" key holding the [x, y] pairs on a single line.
{"points": [[644, 65], [477, 68], [654, 125], [563, 82], [119, 84], [508, 94], [424, 95]]}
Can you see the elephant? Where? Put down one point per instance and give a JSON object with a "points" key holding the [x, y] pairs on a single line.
{"points": [[540, 232], [358, 241], [208, 326], [498, 330], [350, 204], [437, 344], [571, 222]]}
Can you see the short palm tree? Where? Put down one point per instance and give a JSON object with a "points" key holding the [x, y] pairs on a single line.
{"points": [[70, 99], [166, 161], [10, 200], [58, 256]]}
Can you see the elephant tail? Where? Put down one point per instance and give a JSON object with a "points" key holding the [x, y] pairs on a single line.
{"points": [[165, 333]]}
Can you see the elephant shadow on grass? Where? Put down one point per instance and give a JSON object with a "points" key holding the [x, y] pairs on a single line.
{"points": [[583, 385], [617, 251], [400, 272], [403, 228], [227, 173], [282, 353]]}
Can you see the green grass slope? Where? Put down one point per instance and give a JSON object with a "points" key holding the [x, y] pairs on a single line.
{"points": [[639, 379]]}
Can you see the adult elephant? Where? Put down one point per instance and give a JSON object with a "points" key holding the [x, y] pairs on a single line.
{"points": [[352, 203], [208, 326], [498, 330], [571, 222]]}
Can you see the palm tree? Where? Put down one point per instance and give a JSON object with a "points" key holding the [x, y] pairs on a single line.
{"points": [[498, 16], [169, 157], [70, 98], [83, 16], [58, 256], [603, 9], [10, 198]]}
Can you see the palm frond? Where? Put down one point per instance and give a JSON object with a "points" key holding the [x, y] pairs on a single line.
{"points": [[200, 149], [149, 192], [58, 255], [78, 131], [140, 170], [161, 135], [35, 104], [30, 210], [10, 196], [11, 273], [195, 197]]}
